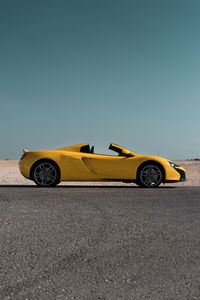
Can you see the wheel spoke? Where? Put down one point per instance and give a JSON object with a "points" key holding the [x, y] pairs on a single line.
{"points": [[51, 177], [50, 169], [42, 181], [149, 181]]}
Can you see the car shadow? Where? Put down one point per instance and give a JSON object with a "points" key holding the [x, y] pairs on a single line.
{"points": [[81, 186]]}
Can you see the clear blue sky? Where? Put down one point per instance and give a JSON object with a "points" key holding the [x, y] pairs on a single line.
{"points": [[100, 71]]}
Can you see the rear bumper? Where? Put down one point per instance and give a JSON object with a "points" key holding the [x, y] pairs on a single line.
{"points": [[24, 168]]}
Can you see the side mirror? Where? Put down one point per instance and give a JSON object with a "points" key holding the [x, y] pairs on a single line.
{"points": [[129, 155]]}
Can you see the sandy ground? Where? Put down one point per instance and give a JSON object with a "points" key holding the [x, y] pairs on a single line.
{"points": [[9, 174]]}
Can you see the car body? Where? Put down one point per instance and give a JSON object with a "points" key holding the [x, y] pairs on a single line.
{"points": [[80, 163]]}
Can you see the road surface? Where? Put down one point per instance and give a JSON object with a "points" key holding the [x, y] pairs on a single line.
{"points": [[80, 242]]}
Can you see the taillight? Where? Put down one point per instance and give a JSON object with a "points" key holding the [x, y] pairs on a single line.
{"points": [[23, 156]]}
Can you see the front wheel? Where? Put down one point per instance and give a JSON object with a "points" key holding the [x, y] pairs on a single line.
{"points": [[150, 176], [45, 173]]}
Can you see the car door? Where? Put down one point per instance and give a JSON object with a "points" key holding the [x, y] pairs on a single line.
{"points": [[110, 167]]}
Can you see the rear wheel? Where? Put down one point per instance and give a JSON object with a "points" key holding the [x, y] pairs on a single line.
{"points": [[150, 175], [45, 173]]}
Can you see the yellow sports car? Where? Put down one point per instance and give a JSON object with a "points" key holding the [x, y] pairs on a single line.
{"points": [[79, 162]]}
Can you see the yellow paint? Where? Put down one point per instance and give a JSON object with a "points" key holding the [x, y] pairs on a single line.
{"points": [[76, 165]]}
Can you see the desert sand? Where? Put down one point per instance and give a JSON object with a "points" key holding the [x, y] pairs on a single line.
{"points": [[10, 175]]}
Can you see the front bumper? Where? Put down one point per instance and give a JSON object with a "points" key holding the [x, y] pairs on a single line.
{"points": [[182, 174]]}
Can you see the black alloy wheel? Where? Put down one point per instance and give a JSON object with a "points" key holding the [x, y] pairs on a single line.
{"points": [[45, 173], [150, 175]]}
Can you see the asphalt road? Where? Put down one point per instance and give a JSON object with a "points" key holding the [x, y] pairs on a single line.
{"points": [[79, 242]]}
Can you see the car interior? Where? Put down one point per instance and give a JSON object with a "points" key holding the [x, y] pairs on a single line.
{"points": [[88, 149]]}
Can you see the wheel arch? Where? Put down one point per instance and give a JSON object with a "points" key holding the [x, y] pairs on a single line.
{"points": [[147, 162], [44, 160]]}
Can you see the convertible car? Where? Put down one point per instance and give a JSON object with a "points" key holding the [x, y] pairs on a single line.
{"points": [[79, 162]]}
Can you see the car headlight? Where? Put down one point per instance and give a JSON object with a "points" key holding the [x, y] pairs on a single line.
{"points": [[172, 164]]}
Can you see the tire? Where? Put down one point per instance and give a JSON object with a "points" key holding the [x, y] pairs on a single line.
{"points": [[150, 175], [45, 173]]}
